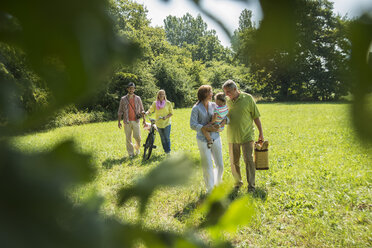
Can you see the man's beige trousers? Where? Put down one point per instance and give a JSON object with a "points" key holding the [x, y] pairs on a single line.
{"points": [[132, 127], [247, 149]]}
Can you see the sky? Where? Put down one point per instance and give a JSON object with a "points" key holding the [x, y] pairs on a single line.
{"points": [[228, 11]]}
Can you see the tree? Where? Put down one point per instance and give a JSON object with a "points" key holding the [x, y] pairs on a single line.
{"points": [[128, 15], [30, 93], [192, 34], [185, 29], [243, 35], [310, 68], [208, 48], [217, 72], [171, 77], [245, 20]]}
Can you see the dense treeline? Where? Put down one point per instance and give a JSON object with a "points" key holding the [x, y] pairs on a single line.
{"points": [[185, 54], [313, 69]]}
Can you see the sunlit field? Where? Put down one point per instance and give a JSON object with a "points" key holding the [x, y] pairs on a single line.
{"points": [[317, 192]]}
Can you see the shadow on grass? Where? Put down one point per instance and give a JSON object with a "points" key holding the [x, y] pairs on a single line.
{"points": [[260, 193], [234, 193], [109, 163], [153, 158], [189, 208]]}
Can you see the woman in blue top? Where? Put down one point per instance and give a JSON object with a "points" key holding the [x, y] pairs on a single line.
{"points": [[201, 115]]}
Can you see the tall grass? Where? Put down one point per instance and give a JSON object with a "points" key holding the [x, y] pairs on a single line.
{"points": [[317, 192]]}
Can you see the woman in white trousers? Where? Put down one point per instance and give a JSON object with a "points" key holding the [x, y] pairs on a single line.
{"points": [[201, 115]]}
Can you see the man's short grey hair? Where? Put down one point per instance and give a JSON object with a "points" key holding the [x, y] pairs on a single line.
{"points": [[230, 85]]}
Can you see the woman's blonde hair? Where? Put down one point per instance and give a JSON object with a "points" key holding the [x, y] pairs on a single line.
{"points": [[165, 95]]}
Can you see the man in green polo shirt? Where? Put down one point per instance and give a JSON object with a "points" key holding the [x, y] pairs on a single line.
{"points": [[243, 112]]}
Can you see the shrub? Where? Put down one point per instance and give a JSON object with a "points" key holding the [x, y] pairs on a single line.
{"points": [[70, 116], [172, 77]]}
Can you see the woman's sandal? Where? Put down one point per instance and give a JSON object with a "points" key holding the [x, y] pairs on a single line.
{"points": [[209, 144]]}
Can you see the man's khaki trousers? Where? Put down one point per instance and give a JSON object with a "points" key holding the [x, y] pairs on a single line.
{"points": [[134, 127], [247, 150]]}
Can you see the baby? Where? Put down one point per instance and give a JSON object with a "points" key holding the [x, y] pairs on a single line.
{"points": [[219, 115]]}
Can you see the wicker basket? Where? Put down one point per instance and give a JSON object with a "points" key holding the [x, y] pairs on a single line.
{"points": [[261, 159]]}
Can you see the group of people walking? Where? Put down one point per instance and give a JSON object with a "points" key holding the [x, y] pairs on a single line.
{"points": [[132, 111], [238, 110]]}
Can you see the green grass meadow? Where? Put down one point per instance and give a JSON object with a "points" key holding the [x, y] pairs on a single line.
{"points": [[317, 192]]}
